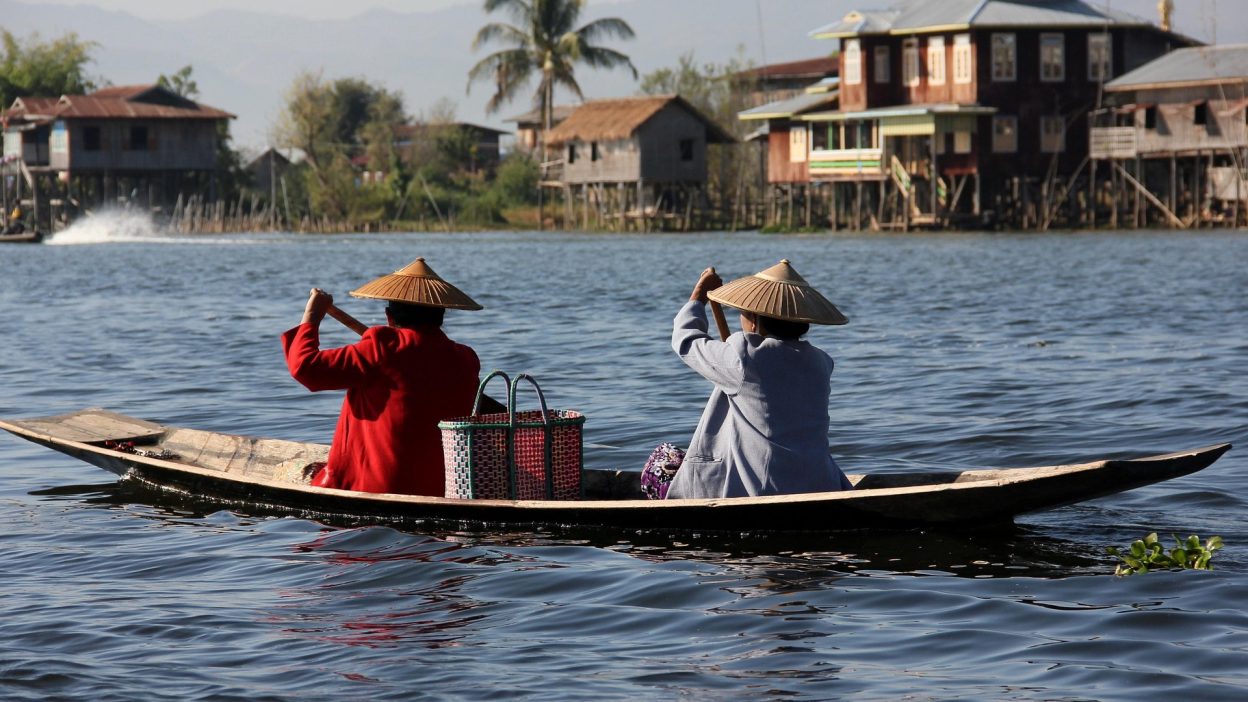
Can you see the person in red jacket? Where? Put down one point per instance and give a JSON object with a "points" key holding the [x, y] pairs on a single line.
{"points": [[401, 380]]}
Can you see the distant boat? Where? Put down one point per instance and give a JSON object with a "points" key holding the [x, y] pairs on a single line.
{"points": [[264, 474], [30, 237]]}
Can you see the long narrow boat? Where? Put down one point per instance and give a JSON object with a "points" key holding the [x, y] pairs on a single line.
{"points": [[267, 474], [31, 237]]}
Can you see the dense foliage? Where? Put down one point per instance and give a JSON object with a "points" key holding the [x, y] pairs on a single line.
{"points": [[368, 164], [33, 67]]}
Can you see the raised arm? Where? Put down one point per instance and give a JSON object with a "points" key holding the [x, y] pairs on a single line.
{"points": [[717, 361]]}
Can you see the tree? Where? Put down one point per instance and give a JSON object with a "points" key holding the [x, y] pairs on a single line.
{"points": [[48, 69], [544, 40], [180, 83], [332, 123]]}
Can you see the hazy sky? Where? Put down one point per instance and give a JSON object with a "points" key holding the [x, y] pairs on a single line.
{"points": [[1196, 16], [311, 9]]}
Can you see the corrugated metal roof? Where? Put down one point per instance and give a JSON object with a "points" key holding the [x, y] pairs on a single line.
{"points": [[122, 91], [918, 15], [608, 120], [124, 102], [1198, 64], [32, 106], [807, 68], [790, 107], [860, 22]]}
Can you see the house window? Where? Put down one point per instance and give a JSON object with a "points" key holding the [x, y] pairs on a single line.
{"points": [[1150, 118], [1004, 134], [819, 137], [882, 64], [836, 137], [1052, 134], [1052, 58], [853, 62], [138, 138], [686, 149], [910, 62], [962, 59], [1004, 57], [1200, 114], [961, 142], [936, 61], [90, 138], [594, 154], [571, 154], [797, 144], [1100, 57]]}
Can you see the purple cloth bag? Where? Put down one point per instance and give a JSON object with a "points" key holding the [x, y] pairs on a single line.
{"points": [[660, 469]]}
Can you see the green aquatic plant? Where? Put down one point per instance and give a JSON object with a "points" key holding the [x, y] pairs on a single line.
{"points": [[1148, 554]]}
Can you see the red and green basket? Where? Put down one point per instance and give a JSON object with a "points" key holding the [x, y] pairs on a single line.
{"points": [[530, 455]]}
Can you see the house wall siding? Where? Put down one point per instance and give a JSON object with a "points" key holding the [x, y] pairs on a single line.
{"points": [[619, 162], [660, 139], [780, 165], [171, 145]]}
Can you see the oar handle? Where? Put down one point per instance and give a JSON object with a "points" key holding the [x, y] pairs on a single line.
{"points": [[718, 313], [347, 320]]}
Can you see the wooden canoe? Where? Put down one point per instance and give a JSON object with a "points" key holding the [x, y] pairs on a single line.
{"points": [[264, 474], [32, 237]]}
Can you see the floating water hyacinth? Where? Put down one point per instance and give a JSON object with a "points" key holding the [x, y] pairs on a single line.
{"points": [[1148, 554]]}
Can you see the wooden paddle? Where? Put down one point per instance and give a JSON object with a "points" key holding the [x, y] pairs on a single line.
{"points": [[488, 404], [347, 320], [718, 313]]}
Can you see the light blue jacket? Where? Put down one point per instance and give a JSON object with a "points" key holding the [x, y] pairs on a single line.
{"points": [[765, 428]]}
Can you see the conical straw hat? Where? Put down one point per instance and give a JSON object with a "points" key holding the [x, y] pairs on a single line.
{"points": [[417, 284], [779, 292]]}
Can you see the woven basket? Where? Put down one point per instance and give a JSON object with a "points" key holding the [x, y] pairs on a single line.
{"points": [[531, 455]]}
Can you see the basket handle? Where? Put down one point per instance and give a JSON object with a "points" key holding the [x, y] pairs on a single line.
{"points": [[476, 404], [548, 441], [511, 398]]}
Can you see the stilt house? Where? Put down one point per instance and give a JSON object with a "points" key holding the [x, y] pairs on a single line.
{"points": [[1176, 134], [641, 157], [112, 142], [957, 110]]}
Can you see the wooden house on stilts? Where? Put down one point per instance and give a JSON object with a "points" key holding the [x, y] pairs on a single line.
{"points": [[638, 161], [132, 143], [1170, 146], [968, 112]]}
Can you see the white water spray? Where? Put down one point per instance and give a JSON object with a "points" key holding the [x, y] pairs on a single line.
{"points": [[108, 227]]}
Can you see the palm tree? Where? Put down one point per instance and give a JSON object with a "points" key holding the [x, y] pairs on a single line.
{"points": [[543, 39]]}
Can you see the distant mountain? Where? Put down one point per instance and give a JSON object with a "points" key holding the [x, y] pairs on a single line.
{"points": [[245, 61]]}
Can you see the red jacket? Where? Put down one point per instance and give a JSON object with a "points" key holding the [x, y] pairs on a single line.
{"points": [[400, 383]]}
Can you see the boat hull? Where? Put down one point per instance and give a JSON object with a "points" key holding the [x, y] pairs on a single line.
{"points": [[249, 472]]}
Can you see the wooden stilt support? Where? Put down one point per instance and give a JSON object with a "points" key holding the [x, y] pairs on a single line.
{"points": [[1140, 189]]}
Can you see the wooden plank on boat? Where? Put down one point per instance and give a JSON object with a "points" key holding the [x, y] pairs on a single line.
{"points": [[93, 426]]}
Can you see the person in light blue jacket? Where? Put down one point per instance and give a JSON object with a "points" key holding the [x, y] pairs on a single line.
{"points": [[765, 427]]}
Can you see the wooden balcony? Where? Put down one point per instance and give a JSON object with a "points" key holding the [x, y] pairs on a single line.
{"points": [[847, 164]]}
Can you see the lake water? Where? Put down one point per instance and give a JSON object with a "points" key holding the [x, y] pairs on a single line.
{"points": [[964, 350]]}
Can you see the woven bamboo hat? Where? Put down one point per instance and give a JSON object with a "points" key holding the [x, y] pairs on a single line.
{"points": [[779, 292], [417, 284]]}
